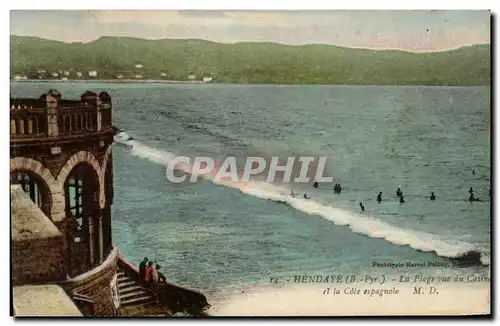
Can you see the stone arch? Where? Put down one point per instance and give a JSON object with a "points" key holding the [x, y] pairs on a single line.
{"points": [[55, 188], [90, 159]]}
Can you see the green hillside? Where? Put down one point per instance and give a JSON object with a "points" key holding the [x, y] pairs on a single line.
{"points": [[250, 62]]}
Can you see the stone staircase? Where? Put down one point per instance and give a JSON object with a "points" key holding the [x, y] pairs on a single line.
{"points": [[133, 294], [167, 300]]}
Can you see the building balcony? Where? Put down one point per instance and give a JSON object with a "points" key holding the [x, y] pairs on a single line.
{"points": [[52, 119]]}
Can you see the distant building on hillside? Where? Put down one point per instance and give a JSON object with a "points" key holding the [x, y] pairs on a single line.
{"points": [[17, 77], [139, 65], [192, 77], [55, 74], [66, 73], [207, 79], [79, 74], [92, 73], [138, 76], [163, 74], [119, 76]]}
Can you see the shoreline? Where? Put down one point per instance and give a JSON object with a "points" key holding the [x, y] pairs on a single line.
{"points": [[197, 82], [112, 81]]}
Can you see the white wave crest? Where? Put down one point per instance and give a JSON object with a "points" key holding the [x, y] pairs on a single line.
{"points": [[359, 223]]}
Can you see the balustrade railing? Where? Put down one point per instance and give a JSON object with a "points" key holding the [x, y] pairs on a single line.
{"points": [[30, 122], [50, 116]]}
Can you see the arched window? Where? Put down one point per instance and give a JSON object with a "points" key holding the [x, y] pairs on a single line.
{"points": [[82, 212], [35, 187]]}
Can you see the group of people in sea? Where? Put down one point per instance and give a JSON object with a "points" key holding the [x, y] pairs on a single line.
{"points": [[399, 194], [337, 189], [149, 275]]}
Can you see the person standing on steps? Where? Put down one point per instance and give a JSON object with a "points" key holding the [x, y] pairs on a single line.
{"points": [[149, 274], [362, 207], [399, 193], [433, 197], [156, 276], [161, 277], [401, 199], [379, 197], [315, 184], [142, 268]]}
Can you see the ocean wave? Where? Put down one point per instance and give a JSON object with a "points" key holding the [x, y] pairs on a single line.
{"points": [[359, 223]]}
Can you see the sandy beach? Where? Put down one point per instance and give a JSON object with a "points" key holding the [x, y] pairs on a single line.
{"points": [[313, 300]]}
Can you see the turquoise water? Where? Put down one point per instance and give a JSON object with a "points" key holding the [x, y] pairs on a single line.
{"points": [[215, 238]]}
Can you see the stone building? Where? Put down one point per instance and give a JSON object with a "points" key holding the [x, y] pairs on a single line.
{"points": [[61, 156], [63, 258]]}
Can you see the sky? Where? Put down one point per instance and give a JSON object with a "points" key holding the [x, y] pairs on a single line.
{"points": [[415, 31]]}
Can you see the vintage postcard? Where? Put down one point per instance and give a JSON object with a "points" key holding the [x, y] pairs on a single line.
{"points": [[250, 163]]}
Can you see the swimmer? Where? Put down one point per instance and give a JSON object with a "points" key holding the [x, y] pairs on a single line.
{"points": [[472, 198]]}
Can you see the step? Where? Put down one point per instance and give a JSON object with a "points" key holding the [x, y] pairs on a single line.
{"points": [[121, 276], [137, 300], [133, 288], [139, 292], [126, 284]]}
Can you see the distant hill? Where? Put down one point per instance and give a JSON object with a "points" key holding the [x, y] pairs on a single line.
{"points": [[250, 62]]}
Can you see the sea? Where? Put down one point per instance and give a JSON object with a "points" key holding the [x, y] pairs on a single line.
{"points": [[221, 239]]}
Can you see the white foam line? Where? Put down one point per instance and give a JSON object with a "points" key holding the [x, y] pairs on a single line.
{"points": [[361, 224]]}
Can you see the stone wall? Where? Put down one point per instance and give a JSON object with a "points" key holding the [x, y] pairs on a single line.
{"points": [[95, 284], [38, 261]]}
